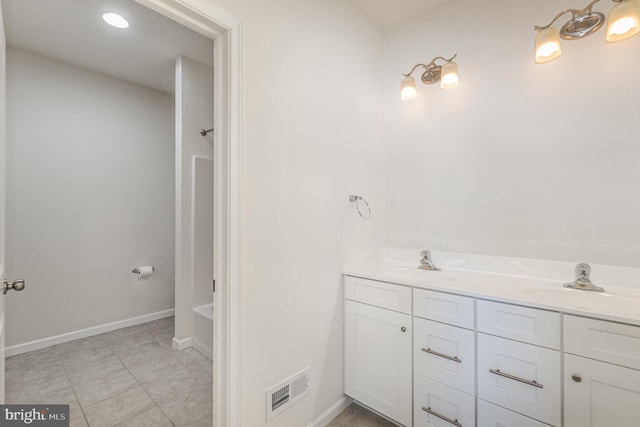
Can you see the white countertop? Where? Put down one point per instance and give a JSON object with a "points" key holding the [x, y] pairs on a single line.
{"points": [[534, 283]]}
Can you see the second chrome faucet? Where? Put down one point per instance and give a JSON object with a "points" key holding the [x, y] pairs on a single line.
{"points": [[583, 280], [426, 263]]}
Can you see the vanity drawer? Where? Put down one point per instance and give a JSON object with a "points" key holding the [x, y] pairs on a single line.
{"points": [[602, 340], [379, 294], [521, 377], [444, 353], [436, 405], [490, 415], [442, 307], [530, 325]]}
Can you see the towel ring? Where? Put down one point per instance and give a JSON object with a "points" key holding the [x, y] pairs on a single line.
{"points": [[364, 210]]}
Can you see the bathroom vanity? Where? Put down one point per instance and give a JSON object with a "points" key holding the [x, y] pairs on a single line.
{"points": [[462, 348]]}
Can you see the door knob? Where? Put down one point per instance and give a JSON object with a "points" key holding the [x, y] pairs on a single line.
{"points": [[577, 378], [17, 285], [403, 329]]}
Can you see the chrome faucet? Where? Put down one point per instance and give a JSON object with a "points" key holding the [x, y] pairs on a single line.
{"points": [[583, 282], [426, 263]]}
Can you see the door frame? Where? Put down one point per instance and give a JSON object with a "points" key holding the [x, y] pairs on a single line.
{"points": [[3, 182], [225, 30]]}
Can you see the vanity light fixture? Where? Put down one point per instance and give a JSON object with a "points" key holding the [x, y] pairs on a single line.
{"points": [[623, 22], [115, 20], [446, 74]]}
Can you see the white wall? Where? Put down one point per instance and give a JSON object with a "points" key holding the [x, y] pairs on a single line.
{"points": [[312, 136], [194, 111], [90, 196], [523, 160]]}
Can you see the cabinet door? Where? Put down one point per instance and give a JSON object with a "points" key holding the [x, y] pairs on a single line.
{"points": [[445, 354], [598, 394], [521, 377], [436, 405], [378, 359]]}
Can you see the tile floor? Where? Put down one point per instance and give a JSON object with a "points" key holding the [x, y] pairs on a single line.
{"points": [[357, 416], [128, 377]]}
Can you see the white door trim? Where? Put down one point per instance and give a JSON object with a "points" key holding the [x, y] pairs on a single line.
{"points": [[225, 29]]}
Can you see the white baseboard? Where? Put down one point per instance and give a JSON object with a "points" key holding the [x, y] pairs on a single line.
{"points": [[334, 410], [83, 333], [181, 344], [203, 348]]}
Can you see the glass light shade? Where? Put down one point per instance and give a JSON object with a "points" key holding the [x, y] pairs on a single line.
{"points": [[408, 88], [449, 76], [547, 45], [115, 20], [623, 21]]}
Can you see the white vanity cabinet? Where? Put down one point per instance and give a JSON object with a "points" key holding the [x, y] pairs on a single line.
{"points": [[378, 347], [427, 358], [521, 376], [603, 392]]}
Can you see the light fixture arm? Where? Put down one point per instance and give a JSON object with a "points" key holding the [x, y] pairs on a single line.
{"points": [[432, 63], [413, 69], [574, 14]]}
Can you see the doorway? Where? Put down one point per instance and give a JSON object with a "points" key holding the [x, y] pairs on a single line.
{"points": [[228, 127]]}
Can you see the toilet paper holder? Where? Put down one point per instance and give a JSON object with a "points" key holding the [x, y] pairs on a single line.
{"points": [[136, 271]]}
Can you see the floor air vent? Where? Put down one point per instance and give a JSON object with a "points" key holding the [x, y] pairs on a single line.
{"points": [[288, 392]]}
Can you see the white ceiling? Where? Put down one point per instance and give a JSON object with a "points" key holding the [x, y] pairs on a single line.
{"points": [[73, 31], [387, 13]]}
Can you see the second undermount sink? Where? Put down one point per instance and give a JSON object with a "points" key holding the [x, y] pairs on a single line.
{"points": [[415, 274], [618, 301]]}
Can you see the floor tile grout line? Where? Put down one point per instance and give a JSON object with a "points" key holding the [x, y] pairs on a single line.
{"points": [[157, 405], [77, 399], [108, 397], [138, 384], [146, 392]]}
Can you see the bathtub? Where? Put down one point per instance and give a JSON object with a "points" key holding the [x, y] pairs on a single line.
{"points": [[203, 329]]}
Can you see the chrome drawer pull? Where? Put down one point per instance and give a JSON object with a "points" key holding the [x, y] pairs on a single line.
{"points": [[435, 353], [512, 377], [442, 417]]}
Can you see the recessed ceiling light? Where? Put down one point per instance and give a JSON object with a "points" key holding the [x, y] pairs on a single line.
{"points": [[115, 20]]}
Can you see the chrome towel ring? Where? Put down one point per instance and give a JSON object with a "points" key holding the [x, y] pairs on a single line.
{"points": [[362, 206]]}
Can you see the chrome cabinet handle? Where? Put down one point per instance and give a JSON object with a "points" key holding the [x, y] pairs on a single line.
{"points": [[442, 417], [17, 285], [513, 377], [577, 378], [403, 329], [445, 356]]}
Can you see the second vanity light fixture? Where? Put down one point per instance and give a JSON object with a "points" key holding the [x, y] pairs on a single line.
{"points": [[446, 74], [623, 22]]}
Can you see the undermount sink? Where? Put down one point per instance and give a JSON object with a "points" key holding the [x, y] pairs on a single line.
{"points": [[415, 274], [620, 301]]}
